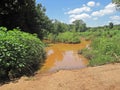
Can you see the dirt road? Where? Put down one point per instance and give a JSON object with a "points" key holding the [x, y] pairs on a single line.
{"points": [[105, 77]]}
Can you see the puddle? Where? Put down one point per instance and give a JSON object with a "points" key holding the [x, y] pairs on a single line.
{"points": [[64, 56]]}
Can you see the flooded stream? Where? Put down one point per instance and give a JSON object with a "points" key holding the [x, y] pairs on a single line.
{"points": [[64, 56]]}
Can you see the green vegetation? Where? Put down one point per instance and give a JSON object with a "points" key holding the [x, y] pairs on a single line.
{"points": [[117, 2], [68, 37], [105, 46], [66, 33], [26, 15], [79, 26], [105, 40], [20, 53], [23, 53], [65, 37]]}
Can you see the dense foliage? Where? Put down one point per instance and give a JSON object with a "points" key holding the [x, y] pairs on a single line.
{"points": [[68, 37], [117, 2], [66, 33], [105, 46], [65, 37], [23, 53], [20, 53], [24, 14], [79, 25], [30, 17]]}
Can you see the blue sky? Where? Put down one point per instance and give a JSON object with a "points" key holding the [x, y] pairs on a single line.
{"points": [[92, 12]]}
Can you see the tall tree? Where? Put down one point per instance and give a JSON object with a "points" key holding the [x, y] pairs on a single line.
{"points": [[79, 25], [23, 14], [59, 27], [117, 2], [44, 23], [110, 25]]}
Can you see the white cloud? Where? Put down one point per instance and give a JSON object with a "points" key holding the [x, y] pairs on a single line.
{"points": [[95, 18], [115, 18], [97, 4], [91, 3], [79, 13], [110, 6], [78, 17], [79, 10], [97, 13], [71, 20], [115, 22], [85, 13], [109, 9]]}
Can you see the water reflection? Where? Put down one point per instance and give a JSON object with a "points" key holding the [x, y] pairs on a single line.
{"points": [[71, 60], [49, 52], [64, 56]]}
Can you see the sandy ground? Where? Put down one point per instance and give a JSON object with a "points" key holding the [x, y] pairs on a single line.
{"points": [[105, 77]]}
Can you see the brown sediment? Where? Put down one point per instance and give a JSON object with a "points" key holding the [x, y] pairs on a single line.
{"points": [[106, 77], [64, 56]]}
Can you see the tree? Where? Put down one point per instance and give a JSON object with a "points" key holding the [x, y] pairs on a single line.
{"points": [[25, 15], [59, 27], [44, 23], [11, 13], [117, 2], [110, 25], [79, 25], [71, 27]]}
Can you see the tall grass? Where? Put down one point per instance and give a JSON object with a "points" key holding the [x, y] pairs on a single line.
{"points": [[66, 37], [104, 48]]}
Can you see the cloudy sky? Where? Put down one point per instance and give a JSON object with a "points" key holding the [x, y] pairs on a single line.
{"points": [[92, 12]]}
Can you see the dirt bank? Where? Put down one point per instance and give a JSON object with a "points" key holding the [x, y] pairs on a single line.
{"points": [[105, 77]]}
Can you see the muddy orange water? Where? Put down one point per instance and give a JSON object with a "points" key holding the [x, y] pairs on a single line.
{"points": [[64, 56]]}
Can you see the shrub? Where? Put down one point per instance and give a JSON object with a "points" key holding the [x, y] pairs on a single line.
{"points": [[65, 37], [52, 37], [104, 48], [20, 53], [68, 37]]}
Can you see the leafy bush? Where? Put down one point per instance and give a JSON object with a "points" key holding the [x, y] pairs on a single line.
{"points": [[68, 37], [65, 37], [104, 49], [51, 37], [20, 53]]}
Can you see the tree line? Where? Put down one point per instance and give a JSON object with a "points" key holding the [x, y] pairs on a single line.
{"points": [[30, 17], [24, 14]]}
